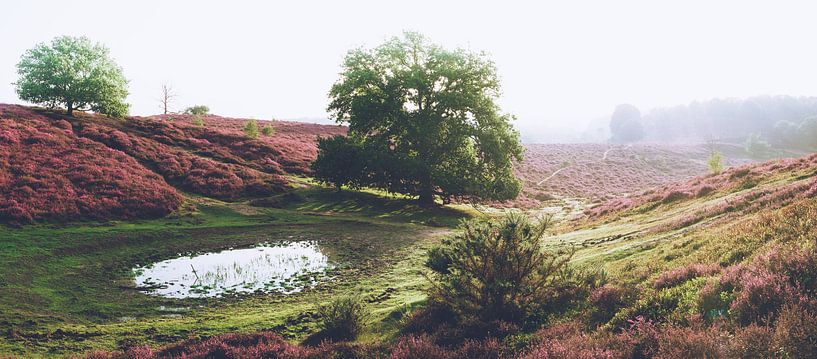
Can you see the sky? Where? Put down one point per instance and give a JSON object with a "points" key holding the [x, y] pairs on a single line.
{"points": [[561, 63]]}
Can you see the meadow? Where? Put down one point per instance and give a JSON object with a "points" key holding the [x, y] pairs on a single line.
{"points": [[669, 260]]}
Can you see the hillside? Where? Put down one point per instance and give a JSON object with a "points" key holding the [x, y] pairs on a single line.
{"points": [[713, 266], [597, 172], [95, 167]]}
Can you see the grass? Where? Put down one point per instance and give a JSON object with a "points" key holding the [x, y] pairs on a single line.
{"points": [[67, 288]]}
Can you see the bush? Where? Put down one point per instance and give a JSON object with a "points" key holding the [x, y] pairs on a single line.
{"points": [[197, 110], [343, 319], [605, 302], [268, 130], [752, 341], [715, 162], [197, 121], [795, 332], [496, 269], [690, 342], [251, 129]]}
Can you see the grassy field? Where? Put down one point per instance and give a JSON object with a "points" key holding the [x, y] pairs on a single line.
{"points": [[69, 288]]}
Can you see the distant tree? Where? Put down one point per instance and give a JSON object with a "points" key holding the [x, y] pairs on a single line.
{"points": [[197, 110], [75, 73], [497, 269], [432, 113], [807, 131], [340, 161], [756, 146], [167, 97], [268, 130], [786, 133], [625, 124], [251, 129]]}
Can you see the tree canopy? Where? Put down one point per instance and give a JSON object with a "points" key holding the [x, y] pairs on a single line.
{"points": [[75, 73], [625, 124], [428, 120]]}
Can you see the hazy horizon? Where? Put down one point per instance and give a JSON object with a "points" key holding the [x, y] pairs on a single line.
{"points": [[562, 65]]}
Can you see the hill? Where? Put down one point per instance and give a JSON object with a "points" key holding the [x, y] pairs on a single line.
{"points": [[95, 167], [713, 266], [598, 172]]}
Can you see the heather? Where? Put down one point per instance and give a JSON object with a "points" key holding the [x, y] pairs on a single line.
{"points": [[47, 172], [91, 167], [599, 173]]}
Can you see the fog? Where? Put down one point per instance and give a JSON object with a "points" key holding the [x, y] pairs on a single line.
{"points": [[563, 65]]}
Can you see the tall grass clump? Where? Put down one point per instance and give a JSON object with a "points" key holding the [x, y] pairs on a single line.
{"points": [[342, 320]]}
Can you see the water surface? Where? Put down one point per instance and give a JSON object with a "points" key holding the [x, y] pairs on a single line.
{"points": [[282, 267]]}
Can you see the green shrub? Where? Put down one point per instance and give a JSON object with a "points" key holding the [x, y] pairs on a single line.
{"points": [[197, 110], [268, 130], [251, 129], [497, 270], [198, 121], [715, 162], [343, 319]]}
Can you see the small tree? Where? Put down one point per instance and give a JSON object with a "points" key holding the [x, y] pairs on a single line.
{"points": [[497, 269], [251, 129], [340, 162], [167, 97], [73, 72], [197, 110], [715, 161], [268, 130]]}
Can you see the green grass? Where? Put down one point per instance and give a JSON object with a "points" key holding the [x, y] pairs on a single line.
{"points": [[68, 288]]}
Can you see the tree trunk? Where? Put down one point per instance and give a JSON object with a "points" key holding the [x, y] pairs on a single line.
{"points": [[70, 108], [426, 192]]}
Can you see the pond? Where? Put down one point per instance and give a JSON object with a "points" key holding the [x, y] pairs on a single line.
{"points": [[286, 267]]}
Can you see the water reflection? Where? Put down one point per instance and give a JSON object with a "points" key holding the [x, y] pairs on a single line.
{"points": [[283, 267]]}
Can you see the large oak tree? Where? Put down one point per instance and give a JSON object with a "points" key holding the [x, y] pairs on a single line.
{"points": [[428, 119], [75, 73]]}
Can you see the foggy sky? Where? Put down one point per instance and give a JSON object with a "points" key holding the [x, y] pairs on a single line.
{"points": [[561, 63]]}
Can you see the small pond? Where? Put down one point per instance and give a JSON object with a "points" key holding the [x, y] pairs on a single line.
{"points": [[286, 267]]}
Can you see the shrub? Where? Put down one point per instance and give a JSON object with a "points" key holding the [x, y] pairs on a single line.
{"points": [[795, 333], [753, 341], [715, 162], [197, 110], [197, 121], [268, 130], [496, 269], [605, 301], [251, 129], [690, 342], [342, 319]]}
